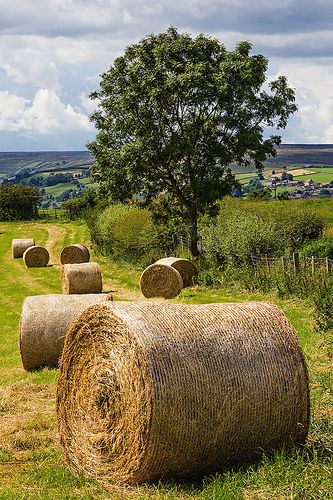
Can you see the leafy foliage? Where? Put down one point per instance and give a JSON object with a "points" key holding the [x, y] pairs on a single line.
{"points": [[323, 247], [18, 202], [243, 230], [175, 111]]}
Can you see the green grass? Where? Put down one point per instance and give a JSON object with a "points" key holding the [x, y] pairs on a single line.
{"points": [[31, 462], [325, 178]]}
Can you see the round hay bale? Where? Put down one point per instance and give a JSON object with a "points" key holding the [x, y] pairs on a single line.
{"points": [[74, 254], [185, 267], [36, 256], [19, 246], [160, 280], [81, 278], [152, 389], [43, 326]]}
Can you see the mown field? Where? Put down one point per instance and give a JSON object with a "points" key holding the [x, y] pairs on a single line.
{"points": [[31, 463]]}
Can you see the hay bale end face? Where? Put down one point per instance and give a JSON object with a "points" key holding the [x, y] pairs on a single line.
{"points": [[81, 278], [43, 326], [155, 390], [20, 245], [185, 267], [74, 254], [160, 280], [36, 256]]}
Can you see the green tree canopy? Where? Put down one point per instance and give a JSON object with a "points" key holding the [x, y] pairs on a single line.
{"points": [[18, 202], [175, 111]]}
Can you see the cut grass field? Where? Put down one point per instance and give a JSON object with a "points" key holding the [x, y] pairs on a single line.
{"points": [[31, 463]]}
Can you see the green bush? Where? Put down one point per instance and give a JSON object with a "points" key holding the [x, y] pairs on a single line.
{"points": [[242, 230], [18, 202], [128, 232], [239, 237], [297, 227], [323, 247]]}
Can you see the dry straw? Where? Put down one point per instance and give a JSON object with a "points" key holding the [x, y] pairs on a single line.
{"points": [[43, 325], [152, 389], [19, 246], [81, 278], [185, 267], [36, 256], [74, 254], [160, 280]]}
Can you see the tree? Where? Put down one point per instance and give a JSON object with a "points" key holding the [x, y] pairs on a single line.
{"points": [[286, 176], [284, 195], [175, 111], [18, 202], [260, 194]]}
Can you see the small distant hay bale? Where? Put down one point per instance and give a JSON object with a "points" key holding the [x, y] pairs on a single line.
{"points": [[154, 390], [74, 254], [43, 326], [36, 256], [20, 245], [160, 280], [81, 278], [185, 267]]}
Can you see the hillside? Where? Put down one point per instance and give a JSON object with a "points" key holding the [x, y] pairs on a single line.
{"points": [[43, 161]]}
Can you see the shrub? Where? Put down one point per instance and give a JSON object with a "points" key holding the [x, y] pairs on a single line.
{"points": [[128, 232], [323, 247], [18, 202], [297, 227], [238, 238], [245, 229]]}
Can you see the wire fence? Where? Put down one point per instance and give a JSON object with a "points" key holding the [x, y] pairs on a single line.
{"points": [[294, 262]]}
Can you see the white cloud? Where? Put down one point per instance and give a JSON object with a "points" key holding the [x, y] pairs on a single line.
{"points": [[45, 114], [60, 49]]}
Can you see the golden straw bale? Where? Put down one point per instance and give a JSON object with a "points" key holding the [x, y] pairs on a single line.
{"points": [[36, 256], [185, 267], [43, 326], [74, 254], [19, 246], [81, 278], [151, 390], [160, 280]]}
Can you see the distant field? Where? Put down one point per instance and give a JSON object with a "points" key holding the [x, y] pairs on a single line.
{"points": [[245, 178], [320, 177]]}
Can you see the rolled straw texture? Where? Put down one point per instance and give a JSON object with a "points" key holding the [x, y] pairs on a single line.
{"points": [[19, 246], [43, 326], [81, 278], [185, 267], [36, 256], [152, 389], [74, 254], [160, 280]]}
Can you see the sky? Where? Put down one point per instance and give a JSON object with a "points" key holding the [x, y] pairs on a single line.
{"points": [[52, 53]]}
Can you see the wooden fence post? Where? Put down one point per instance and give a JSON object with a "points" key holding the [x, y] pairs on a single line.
{"points": [[296, 261], [312, 265], [328, 265], [283, 261], [267, 263]]}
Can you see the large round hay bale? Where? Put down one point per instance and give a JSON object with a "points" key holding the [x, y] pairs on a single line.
{"points": [[185, 267], [43, 326], [160, 280], [74, 254], [19, 246], [152, 389], [36, 256], [81, 278]]}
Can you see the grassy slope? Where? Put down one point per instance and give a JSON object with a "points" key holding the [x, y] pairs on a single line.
{"points": [[31, 464]]}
